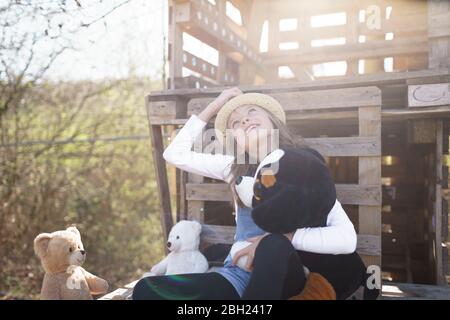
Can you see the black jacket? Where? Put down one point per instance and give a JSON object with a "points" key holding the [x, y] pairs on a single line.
{"points": [[300, 194]]}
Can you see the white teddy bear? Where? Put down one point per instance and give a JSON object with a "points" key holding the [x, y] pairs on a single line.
{"points": [[184, 256]]}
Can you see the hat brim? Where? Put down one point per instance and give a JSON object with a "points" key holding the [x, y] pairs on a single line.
{"points": [[262, 100]]}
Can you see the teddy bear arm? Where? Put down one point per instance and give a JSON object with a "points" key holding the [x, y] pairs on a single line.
{"points": [[50, 289], [161, 267], [96, 284]]}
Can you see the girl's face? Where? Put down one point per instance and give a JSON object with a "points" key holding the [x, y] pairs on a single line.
{"points": [[251, 128]]}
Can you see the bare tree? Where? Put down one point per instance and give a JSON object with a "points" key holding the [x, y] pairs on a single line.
{"points": [[33, 34]]}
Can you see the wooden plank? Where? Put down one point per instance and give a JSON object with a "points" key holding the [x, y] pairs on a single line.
{"points": [[370, 173], [388, 115], [161, 178], [208, 192], [312, 100], [175, 50], [199, 65], [410, 291], [440, 275], [164, 110], [429, 112], [321, 115], [346, 147], [204, 25], [212, 234], [118, 294], [329, 99], [439, 25], [421, 131], [305, 35], [426, 95], [382, 78], [369, 245], [192, 81], [183, 207], [347, 193], [195, 207], [438, 33], [367, 50], [124, 293]]}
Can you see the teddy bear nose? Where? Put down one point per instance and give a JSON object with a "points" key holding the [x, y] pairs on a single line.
{"points": [[83, 252], [169, 244]]}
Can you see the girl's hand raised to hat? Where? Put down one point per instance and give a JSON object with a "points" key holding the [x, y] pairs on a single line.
{"points": [[214, 107]]}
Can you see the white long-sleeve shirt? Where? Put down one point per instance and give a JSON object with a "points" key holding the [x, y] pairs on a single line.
{"points": [[338, 237]]}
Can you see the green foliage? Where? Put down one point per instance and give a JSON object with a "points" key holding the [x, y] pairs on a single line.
{"points": [[106, 188]]}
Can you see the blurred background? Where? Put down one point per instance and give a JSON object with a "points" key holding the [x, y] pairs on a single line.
{"points": [[74, 137]]}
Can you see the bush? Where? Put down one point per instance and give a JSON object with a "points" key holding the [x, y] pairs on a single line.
{"points": [[106, 188]]}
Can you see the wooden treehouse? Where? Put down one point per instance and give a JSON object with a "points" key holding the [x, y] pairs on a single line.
{"points": [[366, 83]]}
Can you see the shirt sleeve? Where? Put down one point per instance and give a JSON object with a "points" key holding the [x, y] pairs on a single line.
{"points": [[338, 237], [180, 154]]}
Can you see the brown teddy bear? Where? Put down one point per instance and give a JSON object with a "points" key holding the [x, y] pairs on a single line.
{"points": [[62, 255]]}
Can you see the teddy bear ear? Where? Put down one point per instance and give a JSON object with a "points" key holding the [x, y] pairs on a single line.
{"points": [[41, 243], [197, 226], [74, 229]]}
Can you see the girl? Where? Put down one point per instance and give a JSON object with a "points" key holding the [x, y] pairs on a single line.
{"points": [[275, 267]]}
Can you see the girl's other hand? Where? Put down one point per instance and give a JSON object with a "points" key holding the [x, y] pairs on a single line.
{"points": [[228, 94], [248, 251], [213, 108]]}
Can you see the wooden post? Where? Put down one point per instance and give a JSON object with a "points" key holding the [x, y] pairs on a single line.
{"points": [[161, 178], [370, 174], [175, 45], [195, 207], [438, 34], [440, 276], [352, 37], [255, 16]]}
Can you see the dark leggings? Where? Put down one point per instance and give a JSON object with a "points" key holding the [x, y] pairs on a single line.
{"points": [[277, 274]]}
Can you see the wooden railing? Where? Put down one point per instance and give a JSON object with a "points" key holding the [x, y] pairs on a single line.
{"points": [[365, 104]]}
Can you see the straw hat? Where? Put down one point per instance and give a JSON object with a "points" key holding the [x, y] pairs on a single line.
{"points": [[262, 100]]}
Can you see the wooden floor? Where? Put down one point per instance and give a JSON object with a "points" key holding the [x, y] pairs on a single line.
{"points": [[391, 291], [410, 291]]}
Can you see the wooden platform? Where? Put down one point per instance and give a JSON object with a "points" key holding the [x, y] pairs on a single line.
{"points": [[391, 291]]}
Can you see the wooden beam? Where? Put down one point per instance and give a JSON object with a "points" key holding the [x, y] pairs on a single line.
{"points": [[175, 45], [439, 25], [382, 78], [312, 100], [163, 110], [183, 207], [161, 178], [421, 131], [438, 33], [196, 207], [212, 234], [370, 173], [346, 147], [366, 50], [205, 25], [410, 291], [347, 193], [439, 245], [200, 66], [387, 115]]}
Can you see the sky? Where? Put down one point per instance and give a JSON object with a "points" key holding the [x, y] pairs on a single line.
{"points": [[129, 41]]}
